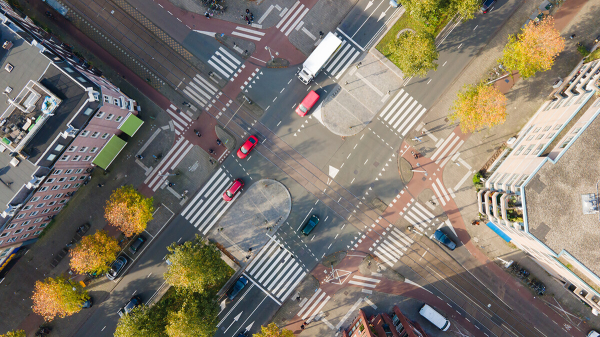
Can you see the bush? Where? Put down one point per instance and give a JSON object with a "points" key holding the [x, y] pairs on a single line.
{"points": [[583, 51], [477, 179]]}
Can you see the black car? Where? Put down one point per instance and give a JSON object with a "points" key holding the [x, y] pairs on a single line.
{"points": [[444, 239], [116, 267], [133, 302], [310, 224], [487, 6], [237, 287], [136, 244]]}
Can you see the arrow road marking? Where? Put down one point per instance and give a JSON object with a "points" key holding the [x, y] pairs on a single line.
{"points": [[235, 319]]}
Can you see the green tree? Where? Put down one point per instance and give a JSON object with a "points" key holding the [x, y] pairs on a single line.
{"points": [[534, 49], [128, 210], [197, 317], [16, 333], [465, 8], [57, 297], [196, 266], [94, 253], [272, 330], [478, 106], [414, 53], [423, 10], [141, 321]]}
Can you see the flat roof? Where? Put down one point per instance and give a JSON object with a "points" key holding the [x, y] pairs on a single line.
{"points": [[553, 200], [13, 178]]}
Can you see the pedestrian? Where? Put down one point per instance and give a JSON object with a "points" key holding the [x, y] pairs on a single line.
{"points": [[249, 22], [298, 298], [572, 36], [246, 18], [251, 17], [242, 16], [247, 11], [139, 156], [302, 326], [321, 34], [207, 14], [100, 185], [171, 184], [198, 133]]}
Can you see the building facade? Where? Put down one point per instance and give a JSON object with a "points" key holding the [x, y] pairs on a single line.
{"points": [[59, 120], [394, 324], [542, 192]]}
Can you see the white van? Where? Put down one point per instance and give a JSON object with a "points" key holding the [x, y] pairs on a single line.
{"points": [[435, 318]]}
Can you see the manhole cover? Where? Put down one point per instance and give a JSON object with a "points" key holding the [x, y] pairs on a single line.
{"points": [[423, 178], [355, 171], [376, 163]]}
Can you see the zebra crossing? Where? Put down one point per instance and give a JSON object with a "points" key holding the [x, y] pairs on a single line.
{"points": [[245, 33], [311, 307], [180, 121], [292, 18], [225, 63], [276, 270], [208, 205], [390, 249], [200, 90], [401, 113], [440, 192], [419, 216], [363, 281], [160, 173], [447, 149], [344, 58]]}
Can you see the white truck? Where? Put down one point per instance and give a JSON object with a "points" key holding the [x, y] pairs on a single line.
{"points": [[319, 58], [435, 318]]}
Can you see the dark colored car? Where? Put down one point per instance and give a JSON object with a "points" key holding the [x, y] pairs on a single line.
{"points": [[237, 287], [444, 239], [233, 190], [133, 302], [243, 334], [136, 244], [487, 6], [247, 147], [310, 224], [116, 267], [88, 303]]}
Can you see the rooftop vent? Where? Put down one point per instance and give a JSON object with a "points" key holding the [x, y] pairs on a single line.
{"points": [[9, 67], [14, 162], [589, 203], [7, 45]]}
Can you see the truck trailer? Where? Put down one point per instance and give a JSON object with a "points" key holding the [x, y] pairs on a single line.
{"points": [[319, 58]]}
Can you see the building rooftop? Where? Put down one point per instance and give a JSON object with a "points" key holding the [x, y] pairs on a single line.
{"points": [[554, 200], [13, 179]]}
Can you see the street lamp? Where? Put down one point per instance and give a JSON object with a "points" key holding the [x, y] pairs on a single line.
{"points": [[160, 174], [422, 171]]}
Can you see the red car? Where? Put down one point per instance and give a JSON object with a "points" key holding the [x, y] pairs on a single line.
{"points": [[307, 103], [233, 190], [247, 147]]}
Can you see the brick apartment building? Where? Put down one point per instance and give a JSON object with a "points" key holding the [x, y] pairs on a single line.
{"points": [[58, 121], [542, 194], [394, 324]]}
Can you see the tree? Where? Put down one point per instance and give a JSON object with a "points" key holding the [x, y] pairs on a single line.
{"points": [[140, 321], [414, 53], [465, 8], [94, 253], [478, 106], [197, 317], [196, 266], [128, 210], [272, 330], [534, 49], [57, 297], [423, 10], [16, 333]]}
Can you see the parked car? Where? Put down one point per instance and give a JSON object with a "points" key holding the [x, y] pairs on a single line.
{"points": [[444, 239], [310, 224], [136, 244], [233, 190], [487, 6], [307, 103], [434, 317], [593, 333], [395, 3], [133, 302], [247, 147], [88, 303], [243, 334], [116, 267], [237, 287]]}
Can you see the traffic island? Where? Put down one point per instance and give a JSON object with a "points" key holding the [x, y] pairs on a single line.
{"points": [[226, 137], [278, 63], [369, 266], [332, 260], [405, 170]]}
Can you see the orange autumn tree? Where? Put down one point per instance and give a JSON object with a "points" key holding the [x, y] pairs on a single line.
{"points": [[534, 49], [128, 210], [94, 253], [478, 106], [57, 297]]}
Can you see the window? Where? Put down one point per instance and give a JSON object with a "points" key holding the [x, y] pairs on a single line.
{"points": [[13, 239], [55, 187], [51, 157], [48, 197], [76, 185], [76, 158], [557, 127], [56, 209], [64, 158], [25, 223], [110, 117], [58, 195], [538, 149], [105, 135], [46, 211], [566, 142], [37, 220], [529, 148], [31, 228], [107, 99], [40, 205], [18, 231], [51, 180], [83, 149], [82, 177], [117, 102], [59, 147], [519, 150], [34, 199], [34, 213], [24, 236], [119, 118], [73, 178], [540, 136], [57, 172], [537, 129], [52, 203], [43, 225], [79, 171], [62, 179], [576, 130], [84, 133], [88, 111], [5, 234], [530, 138], [28, 207], [550, 135], [37, 233], [94, 150], [12, 226], [69, 171], [547, 128], [72, 148], [44, 189], [63, 201], [100, 114], [66, 186], [95, 134]]}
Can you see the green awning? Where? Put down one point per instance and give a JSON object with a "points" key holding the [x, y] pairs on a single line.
{"points": [[131, 124], [109, 152]]}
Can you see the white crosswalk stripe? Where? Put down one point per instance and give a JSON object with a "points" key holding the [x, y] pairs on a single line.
{"points": [[158, 176], [276, 270], [402, 113], [224, 62], [208, 206], [246, 33], [292, 18], [364, 281], [200, 90], [343, 59], [447, 149], [392, 248], [313, 306], [420, 217], [440, 192]]}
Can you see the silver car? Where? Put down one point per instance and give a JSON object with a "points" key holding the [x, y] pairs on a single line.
{"points": [[116, 267]]}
